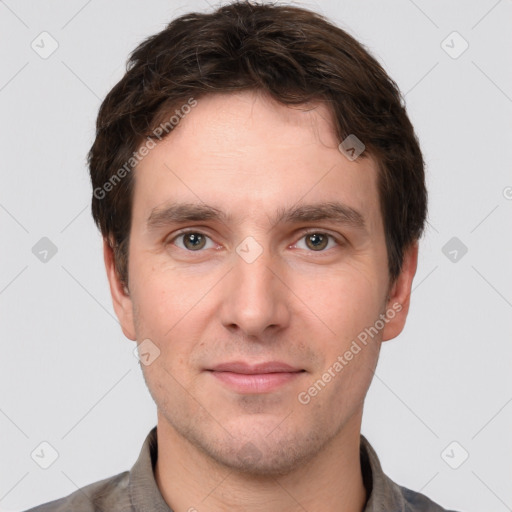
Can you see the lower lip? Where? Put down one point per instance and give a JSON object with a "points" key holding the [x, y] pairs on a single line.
{"points": [[255, 383]]}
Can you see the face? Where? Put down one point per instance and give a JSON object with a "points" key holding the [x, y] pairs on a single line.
{"points": [[257, 258]]}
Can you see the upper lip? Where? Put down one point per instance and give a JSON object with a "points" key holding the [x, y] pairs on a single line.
{"points": [[252, 369]]}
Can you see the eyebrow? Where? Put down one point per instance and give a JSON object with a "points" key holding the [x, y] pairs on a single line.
{"points": [[333, 211], [183, 212]]}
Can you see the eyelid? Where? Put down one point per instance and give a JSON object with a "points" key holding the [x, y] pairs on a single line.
{"points": [[321, 231]]}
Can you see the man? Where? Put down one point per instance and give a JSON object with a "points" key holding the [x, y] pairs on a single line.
{"points": [[261, 194]]}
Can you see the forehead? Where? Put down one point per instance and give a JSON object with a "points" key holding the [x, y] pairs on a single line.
{"points": [[251, 119], [249, 156]]}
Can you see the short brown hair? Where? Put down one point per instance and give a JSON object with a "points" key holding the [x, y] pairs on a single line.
{"points": [[291, 53]]}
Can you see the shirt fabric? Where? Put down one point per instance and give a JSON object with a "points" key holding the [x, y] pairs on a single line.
{"points": [[137, 490]]}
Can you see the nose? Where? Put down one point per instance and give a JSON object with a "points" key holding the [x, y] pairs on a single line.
{"points": [[255, 297]]}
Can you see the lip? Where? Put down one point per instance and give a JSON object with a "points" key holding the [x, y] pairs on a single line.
{"points": [[253, 369], [255, 378]]}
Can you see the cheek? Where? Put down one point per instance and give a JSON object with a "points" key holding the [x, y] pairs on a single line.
{"points": [[164, 296], [164, 317], [345, 299], [170, 311]]}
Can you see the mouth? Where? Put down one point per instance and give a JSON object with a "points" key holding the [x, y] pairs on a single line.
{"points": [[243, 377]]}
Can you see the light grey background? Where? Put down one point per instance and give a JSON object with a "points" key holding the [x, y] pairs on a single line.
{"points": [[69, 377]]}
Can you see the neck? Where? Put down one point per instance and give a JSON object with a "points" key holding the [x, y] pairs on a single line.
{"points": [[190, 480]]}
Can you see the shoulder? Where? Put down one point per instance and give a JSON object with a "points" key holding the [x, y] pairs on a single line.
{"points": [[417, 502], [109, 494], [384, 493]]}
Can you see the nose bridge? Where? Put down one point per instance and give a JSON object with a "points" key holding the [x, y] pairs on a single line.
{"points": [[254, 299]]}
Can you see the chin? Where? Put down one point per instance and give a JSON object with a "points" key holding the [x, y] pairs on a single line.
{"points": [[255, 461]]}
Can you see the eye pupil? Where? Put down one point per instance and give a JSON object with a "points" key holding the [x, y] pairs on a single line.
{"points": [[194, 241], [316, 241]]}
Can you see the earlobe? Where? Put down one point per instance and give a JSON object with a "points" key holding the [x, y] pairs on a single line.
{"points": [[397, 306], [121, 299]]}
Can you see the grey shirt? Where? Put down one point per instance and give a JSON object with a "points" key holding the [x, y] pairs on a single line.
{"points": [[137, 491]]}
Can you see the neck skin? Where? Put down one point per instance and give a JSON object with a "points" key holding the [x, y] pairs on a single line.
{"points": [[331, 481]]}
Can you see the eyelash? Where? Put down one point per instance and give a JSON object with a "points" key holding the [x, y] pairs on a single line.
{"points": [[303, 234]]}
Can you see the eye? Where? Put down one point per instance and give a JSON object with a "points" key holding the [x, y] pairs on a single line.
{"points": [[192, 241], [317, 241]]}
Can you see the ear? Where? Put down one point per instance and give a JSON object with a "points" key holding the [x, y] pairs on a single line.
{"points": [[400, 295], [121, 299]]}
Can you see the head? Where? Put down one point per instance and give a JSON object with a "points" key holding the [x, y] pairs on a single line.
{"points": [[228, 125]]}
